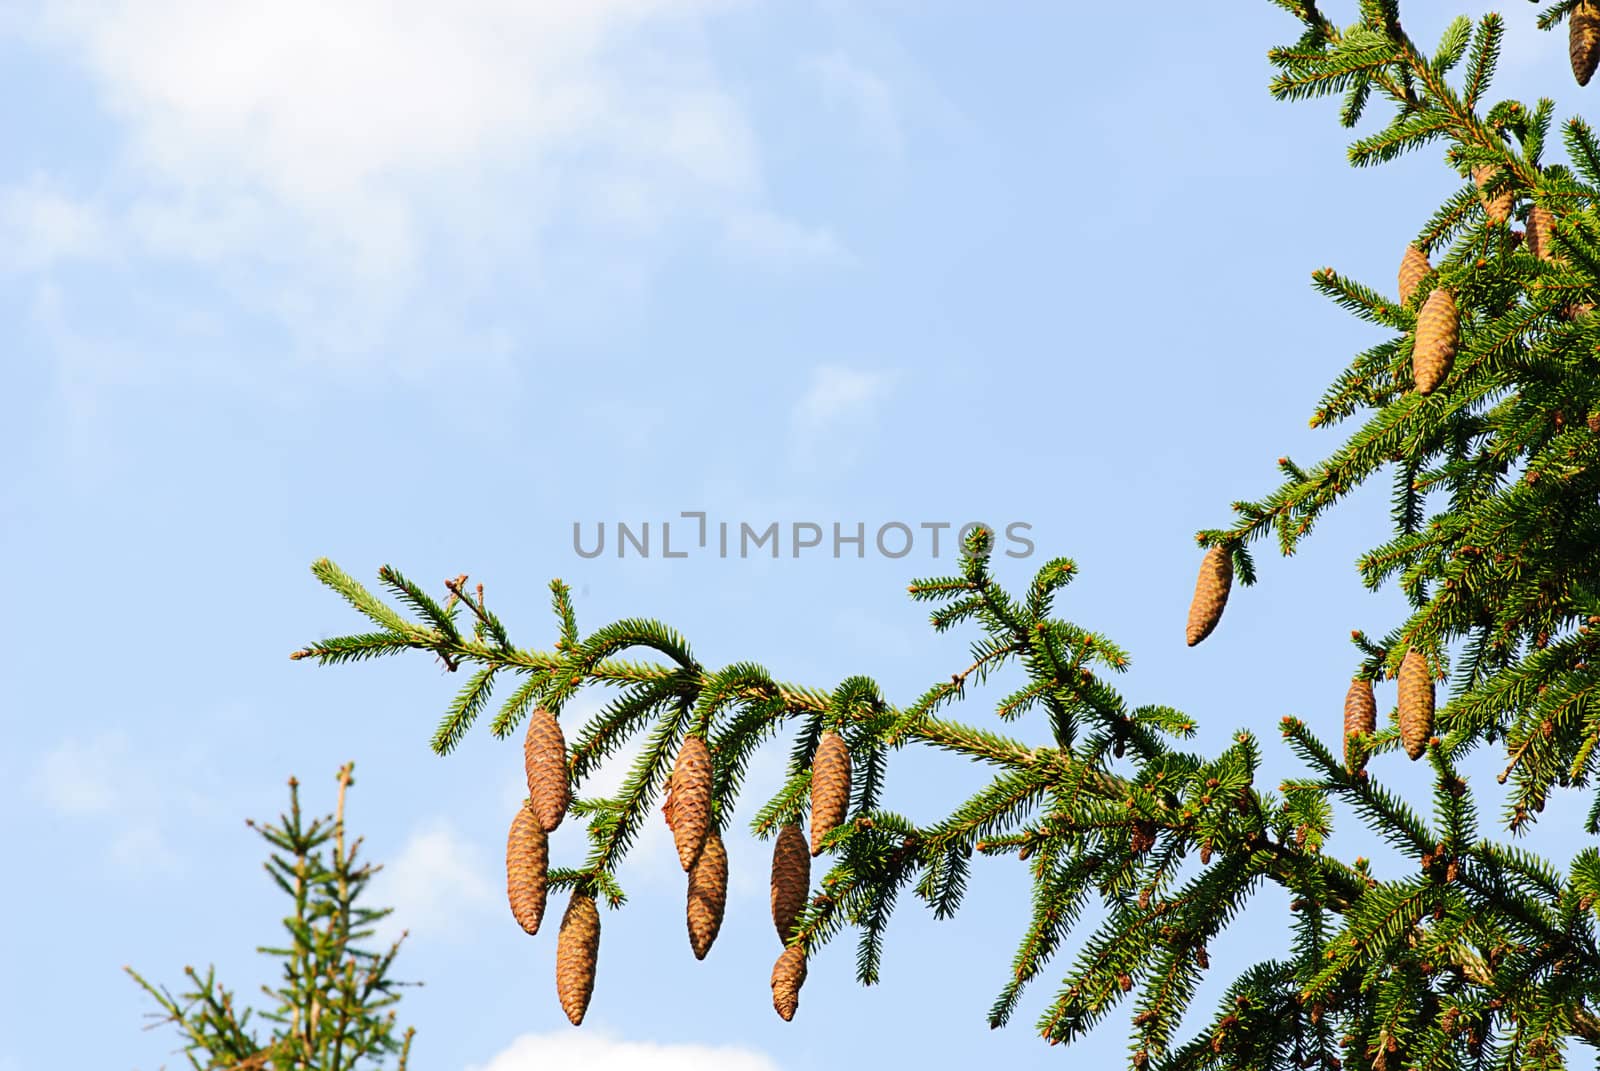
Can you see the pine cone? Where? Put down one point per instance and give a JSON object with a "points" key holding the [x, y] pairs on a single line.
{"points": [[1541, 229], [577, 950], [690, 814], [1583, 40], [1210, 593], [527, 863], [1498, 207], [1414, 268], [544, 757], [1416, 703], [830, 787], [1360, 717], [708, 894], [1593, 422], [791, 879], [1438, 334], [788, 975]]}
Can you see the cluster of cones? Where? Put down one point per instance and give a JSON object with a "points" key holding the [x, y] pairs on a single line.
{"points": [[701, 852], [1360, 706]]}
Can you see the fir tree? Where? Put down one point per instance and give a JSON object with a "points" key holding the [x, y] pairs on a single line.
{"points": [[334, 1004], [1483, 407]]}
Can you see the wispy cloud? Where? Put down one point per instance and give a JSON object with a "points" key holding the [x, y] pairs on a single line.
{"points": [[438, 882], [80, 777], [42, 225], [863, 95], [830, 418], [597, 1051], [333, 162], [104, 777]]}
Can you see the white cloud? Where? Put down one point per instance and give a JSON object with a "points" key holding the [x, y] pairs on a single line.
{"points": [[767, 237], [836, 408], [336, 162], [41, 225], [126, 793], [597, 1051], [83, 777], [142, 849], [847, 85], [437, 881]]}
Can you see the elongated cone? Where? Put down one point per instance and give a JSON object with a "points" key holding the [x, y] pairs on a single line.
{"points": [[1433, 350], [527, 865], [544, 758], [691, 800], [1498, 207], [788, 975], [791, 879], [1414, 268], [708, 894], [830, 787], [577, 951], [1583, 41], [1360, 717], [1416, 704], [1541, 226], [1210, 594]]}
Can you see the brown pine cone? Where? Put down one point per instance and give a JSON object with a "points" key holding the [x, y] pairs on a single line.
{"points": [[1414, 268], [577, 951], [1498, 207], [1360, 717], [1438, 336], [830, 787], [708, 894], [527, 864], [690, 815], [1541, 229], [1583, 40], [1210, 594], [788, 975], [1593, 422], [791, 879], [1416, 703], [544, 757]]}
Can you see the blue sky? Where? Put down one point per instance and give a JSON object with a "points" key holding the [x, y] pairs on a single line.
{"points": [[387, 284]]}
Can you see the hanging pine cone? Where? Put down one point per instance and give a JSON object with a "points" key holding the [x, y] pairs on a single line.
{"points": [[690, 814], [1583, 40], [708, 894], [788, 975], [791, 878], [830, 787], [1360, 717], [577, 951], [1416, 703], [544, 757], [1498, 207], [1438, 335], [1541, 229], [527, 864], [1414, 268], [1210, 593]]}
